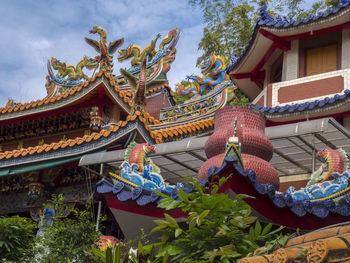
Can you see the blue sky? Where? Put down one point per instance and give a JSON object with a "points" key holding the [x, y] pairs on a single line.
{"points": [[33, 31]]}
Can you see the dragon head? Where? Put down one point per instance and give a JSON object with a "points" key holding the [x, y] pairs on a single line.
{"points": [[174, 32], [124, 53], [91, 63], [206, 65], [147, 147], [99, 30], [58, 65]]}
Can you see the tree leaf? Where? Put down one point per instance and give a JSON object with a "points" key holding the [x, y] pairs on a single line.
{"points": [[170, 219], [182, 195], [178, 232], [257, 229], [266, 229]]}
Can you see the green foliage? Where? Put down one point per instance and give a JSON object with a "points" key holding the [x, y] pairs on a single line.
{"points": [[17, 235], [180, 99], [228, 26], [122, 253], [69, 237], [217, 229], [240, 99], [230, 23]]}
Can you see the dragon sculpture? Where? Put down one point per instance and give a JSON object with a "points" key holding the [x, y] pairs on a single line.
{"points": [[141, 84], [70, 75], [105, 59], [166, 52], [138, 56], [214, 71], [73, 72]]}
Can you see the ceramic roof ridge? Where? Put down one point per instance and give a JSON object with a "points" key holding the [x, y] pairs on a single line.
{"points": [[300, 107]]}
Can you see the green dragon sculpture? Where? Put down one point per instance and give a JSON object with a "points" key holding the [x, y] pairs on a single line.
{"points": [[73, 72], [105, 59], [137, 55]]}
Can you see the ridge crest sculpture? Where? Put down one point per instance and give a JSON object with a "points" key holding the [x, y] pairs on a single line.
{"points": [[138, 170], [69, 75], [325, 183], [105, 59], [156, 60], [214, 77]]}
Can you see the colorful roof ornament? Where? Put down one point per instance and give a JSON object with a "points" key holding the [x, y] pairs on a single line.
{"points": [[163, 57], [214, 77], [105, 58], [68, 75]]}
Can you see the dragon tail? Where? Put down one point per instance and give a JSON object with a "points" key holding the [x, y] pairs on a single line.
{"points": [[185, 90], [345, 158]]}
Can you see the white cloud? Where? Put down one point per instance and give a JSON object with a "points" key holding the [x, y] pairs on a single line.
{"points": [[41, 29]]}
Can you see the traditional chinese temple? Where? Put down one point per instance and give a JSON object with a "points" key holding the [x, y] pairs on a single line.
{"points": [[283, 149], [125, 133]]}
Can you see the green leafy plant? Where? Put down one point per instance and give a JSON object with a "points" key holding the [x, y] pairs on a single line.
{"points": [[217, 228], [122, 253], [69, 237], [17, 235]]}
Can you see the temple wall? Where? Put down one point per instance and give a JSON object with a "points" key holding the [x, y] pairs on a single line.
{"points": [[345, 60], [156, 103], [291, 62]]}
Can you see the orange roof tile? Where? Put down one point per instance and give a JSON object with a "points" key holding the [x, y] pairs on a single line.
{"points": [[326, 245], [150, 91], [143, 117], [160, 134]]}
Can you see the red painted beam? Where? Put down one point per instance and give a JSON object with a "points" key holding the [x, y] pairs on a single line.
{"points": [[280, 42], [317, 32], [241, 76], [258, 79], [264, 59], [256, 75]]}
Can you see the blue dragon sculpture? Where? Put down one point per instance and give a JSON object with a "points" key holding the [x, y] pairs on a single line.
{"points": [[214, 73]]}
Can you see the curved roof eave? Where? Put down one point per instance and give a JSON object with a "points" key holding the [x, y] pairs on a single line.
{"points": [[67, 98], [328, 106], [283, 27]]}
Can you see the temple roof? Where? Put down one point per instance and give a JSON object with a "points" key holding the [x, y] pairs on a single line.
{"points": [[272, 36], [172, 132], [72, 96], [327, 106], [279, 22], [285, 27], [96, 140]]}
